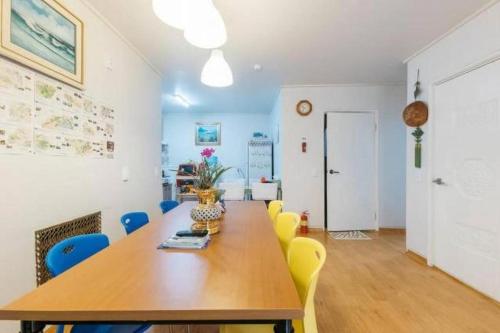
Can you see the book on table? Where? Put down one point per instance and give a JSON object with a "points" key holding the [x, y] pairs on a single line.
{"points": [[176, 242]]}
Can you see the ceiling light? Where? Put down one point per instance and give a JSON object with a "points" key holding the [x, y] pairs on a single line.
{"points": [[216, 72], [204, 27], [171, 12], [181, 100]]}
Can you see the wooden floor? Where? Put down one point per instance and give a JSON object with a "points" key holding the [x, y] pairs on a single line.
{"points": [[373, 286]]}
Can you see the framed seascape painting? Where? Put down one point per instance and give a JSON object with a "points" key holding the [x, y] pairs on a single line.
{"points": [[45, 36], [207, 134]]}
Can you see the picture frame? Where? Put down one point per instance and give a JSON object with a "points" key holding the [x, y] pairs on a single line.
{"points": [[45, 36], [208, 134]]}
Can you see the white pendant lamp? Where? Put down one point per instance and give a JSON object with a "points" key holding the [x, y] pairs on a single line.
{"points": [[204, 27], [216, 72], [171, 12]]}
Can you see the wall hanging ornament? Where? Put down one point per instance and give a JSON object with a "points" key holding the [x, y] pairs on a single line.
{"points": [[415, 115]]}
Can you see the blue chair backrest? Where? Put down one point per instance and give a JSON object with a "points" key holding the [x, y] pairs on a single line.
{"points": [[168, 205], [71, 251], [133, 221]]}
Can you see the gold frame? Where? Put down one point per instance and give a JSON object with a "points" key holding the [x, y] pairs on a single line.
{"points": [[35, 62]]}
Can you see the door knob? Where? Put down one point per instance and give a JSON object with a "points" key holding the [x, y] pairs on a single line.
{"points": [[438, 181], [333, 172]]}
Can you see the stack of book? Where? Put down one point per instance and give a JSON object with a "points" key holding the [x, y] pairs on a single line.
{"points": [[176, 242]]}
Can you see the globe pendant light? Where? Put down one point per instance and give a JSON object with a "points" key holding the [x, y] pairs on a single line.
{"points": [[171, 12], [216, 72], [204, 25]]}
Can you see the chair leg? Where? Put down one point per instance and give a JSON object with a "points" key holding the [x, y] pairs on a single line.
{"points": [[284, 327]]}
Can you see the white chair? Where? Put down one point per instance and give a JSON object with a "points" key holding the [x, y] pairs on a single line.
{"points": [[264, 191], [234, 191]]}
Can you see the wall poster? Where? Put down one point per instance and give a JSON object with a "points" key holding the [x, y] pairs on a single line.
{"points": [[39, 115]]}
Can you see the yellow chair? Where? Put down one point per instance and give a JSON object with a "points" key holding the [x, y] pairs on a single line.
{"points": [[286, 227], [306, 257], [275, 207]]}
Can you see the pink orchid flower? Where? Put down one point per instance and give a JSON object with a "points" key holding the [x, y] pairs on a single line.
{"points": [[207, 152]]}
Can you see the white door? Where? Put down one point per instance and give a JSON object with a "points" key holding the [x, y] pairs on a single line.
{"points": [[466, 171], [351, 171]]}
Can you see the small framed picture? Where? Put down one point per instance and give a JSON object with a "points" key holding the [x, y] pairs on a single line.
{"points": [[207, 134]]}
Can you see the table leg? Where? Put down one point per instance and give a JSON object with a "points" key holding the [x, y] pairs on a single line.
{"points": [[31, 327]]}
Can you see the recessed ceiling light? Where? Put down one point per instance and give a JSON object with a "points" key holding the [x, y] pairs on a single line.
{"points": [[257, 67]]}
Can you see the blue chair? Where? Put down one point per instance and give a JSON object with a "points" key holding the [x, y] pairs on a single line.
{"points": [[133, 221], [71, 252], [74, 250], [168, 205]]}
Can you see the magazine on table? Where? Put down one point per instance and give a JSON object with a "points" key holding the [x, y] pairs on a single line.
{"points": [[177, 242]]}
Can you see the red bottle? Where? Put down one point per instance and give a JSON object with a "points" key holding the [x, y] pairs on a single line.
{"points": [[304, 223]]}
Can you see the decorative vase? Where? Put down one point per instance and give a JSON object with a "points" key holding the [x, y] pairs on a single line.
{"points": [[206, 197], [207, 214]]}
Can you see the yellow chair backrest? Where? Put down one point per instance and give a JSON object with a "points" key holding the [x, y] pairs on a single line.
{"points": [[286, 227], [305, 259], [275, 207]]}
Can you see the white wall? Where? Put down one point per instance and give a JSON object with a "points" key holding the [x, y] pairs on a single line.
{"points": [[38, 191], [276, 134], [236, 131], [303, 174], [468, 45]]}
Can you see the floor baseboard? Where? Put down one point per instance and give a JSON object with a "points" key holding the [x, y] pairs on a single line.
{"points": [[416, 257], [466, 285], [399, 231]]}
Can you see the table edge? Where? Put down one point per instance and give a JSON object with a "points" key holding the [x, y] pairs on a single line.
{"points": [[152, 315]]}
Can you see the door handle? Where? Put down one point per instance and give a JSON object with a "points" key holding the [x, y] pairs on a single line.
{"points": [[333, 172], [439, 181]]}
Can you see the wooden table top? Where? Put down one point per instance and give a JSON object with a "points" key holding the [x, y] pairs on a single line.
{"points": [[242, 275]]}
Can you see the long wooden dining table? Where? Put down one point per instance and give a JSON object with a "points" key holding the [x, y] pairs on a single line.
{"points": [[241, 277]]}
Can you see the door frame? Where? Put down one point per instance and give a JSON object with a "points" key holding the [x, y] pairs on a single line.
{"points": [[431, 239], [349, 110]]}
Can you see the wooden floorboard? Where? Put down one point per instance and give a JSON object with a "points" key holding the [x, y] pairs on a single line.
{"points": [[374, 286]]}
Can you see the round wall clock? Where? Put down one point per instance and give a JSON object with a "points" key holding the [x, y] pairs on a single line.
{"points": [[304, 108], [416, 114]]}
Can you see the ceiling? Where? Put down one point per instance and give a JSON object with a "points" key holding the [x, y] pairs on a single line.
{"points": [[297, 42]]}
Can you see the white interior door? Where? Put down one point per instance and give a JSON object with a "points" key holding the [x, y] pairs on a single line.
{"points": [[466, 170], [351, 171]]}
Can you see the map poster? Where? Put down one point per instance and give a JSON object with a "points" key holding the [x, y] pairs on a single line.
{"points": [[15, 110], [53, 119], [15, 80], [15, 139], [43, 116], [45, 142]]}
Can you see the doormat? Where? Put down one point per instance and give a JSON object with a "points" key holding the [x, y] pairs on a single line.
{"points": [[349, 235]]}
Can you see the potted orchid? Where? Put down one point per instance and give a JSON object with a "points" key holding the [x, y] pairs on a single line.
{"points": [[207, 215], [209, 171]]}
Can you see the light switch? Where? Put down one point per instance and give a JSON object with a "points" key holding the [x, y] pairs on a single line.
{"points": [[125, 174], [109, 64]]}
